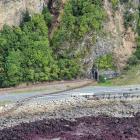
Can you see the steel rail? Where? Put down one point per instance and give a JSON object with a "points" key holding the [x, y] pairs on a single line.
{"points": [[22, 102]]}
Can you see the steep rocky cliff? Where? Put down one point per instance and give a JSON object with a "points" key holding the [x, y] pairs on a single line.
{"points": [[114, 39], [11, 11]]}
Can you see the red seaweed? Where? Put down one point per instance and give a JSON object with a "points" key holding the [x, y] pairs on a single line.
{"points": [[85, 128]]}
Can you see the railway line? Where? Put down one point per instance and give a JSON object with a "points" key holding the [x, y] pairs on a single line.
{"points": [[125, 94], [74, 102], [114, 96], [22, 102]]}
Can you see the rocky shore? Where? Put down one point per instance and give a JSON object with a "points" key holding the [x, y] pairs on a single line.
{"points": [[74, 115], [84, 128], [67, 109]]}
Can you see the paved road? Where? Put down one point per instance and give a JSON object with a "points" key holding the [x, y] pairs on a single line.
{"points": [[88, 90]]}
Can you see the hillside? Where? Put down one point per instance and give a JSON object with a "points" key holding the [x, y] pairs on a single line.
{"points": [[47, 40], [12, 11], [129, 77]]}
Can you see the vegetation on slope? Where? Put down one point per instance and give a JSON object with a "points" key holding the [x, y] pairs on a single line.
{"points": [[26, 54], [105, 62], [129, 77], [79, 18], [132, 19]]}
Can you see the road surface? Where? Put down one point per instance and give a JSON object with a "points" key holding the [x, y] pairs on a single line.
{"points": [[37, 105], [88, 90]]}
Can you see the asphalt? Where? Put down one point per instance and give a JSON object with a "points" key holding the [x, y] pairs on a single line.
{"points": [[55, 101], [98, 91]]}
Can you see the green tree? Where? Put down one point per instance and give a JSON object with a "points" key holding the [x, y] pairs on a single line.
{"points": [[47, 16], [13, 75], [79, 18], [26, 55], [37, 52], [69, 69], [115, 3]]}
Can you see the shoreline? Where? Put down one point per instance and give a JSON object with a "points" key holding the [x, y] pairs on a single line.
{"points": [[82, 128], [70, 108], [88, 113]]}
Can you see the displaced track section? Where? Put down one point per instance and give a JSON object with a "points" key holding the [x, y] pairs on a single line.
{"points": [[114, 96], [22, 102]]}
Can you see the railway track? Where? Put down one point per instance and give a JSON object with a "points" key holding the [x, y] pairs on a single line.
{"points": [[22, 102], [115, 95], [119, 97], [98, 96]]}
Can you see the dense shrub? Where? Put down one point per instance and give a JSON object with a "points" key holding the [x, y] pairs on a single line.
{"points": [[25, 53], [105, 62], [115, 3], [102, 79], [133, 60], [47, 16], [132, 19], [79, 18], [137, 53]]}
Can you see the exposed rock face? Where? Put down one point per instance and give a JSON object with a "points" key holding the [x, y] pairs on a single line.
{"points": [[116, 39], [11, 11], [123, 40]]}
